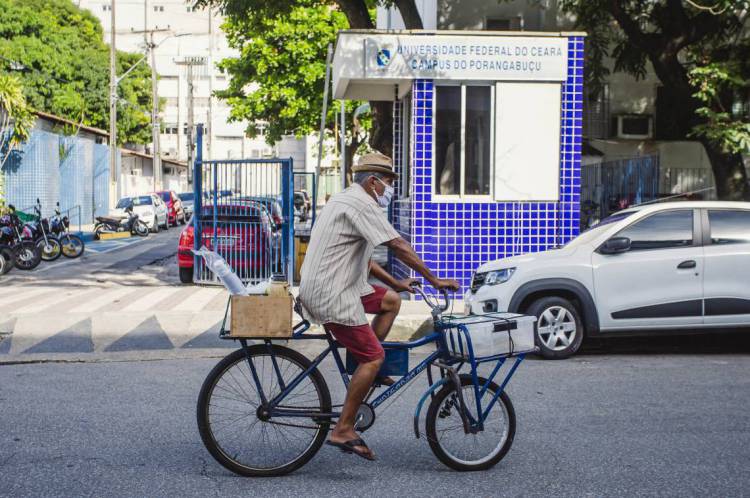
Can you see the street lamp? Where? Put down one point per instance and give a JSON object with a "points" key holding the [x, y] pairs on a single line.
{"points": [[114, 82]]}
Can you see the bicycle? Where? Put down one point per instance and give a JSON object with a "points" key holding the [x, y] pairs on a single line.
{"points": [[265, 409]]}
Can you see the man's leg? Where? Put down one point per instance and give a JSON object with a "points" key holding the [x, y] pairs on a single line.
{"points": [[363, 343], [359, 385], [389, 308]]}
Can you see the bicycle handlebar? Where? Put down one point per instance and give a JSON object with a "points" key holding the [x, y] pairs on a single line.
{"points": [[434, 304]]}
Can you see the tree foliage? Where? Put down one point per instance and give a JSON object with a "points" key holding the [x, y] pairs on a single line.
{"points": [[16, 121], [59, 54], [257, 16], [699, 52]]}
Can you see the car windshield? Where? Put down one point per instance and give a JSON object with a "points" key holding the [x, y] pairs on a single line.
{"points": [[165, 196], [187, 196], [594, 231], [144, 200]]}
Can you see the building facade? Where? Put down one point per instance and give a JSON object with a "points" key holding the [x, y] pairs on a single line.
{"points": [[487, 138]]}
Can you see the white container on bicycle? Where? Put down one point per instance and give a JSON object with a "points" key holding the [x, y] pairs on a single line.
{"points": [[496, 333]]}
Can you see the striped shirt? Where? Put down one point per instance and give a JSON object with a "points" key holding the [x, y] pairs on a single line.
{"points": [[336, 266]]}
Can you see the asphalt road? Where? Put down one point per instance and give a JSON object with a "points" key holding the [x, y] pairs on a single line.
{"points": [[596, 425]]}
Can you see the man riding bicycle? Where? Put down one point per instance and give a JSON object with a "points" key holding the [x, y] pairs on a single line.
{"points": [[334, 290]]}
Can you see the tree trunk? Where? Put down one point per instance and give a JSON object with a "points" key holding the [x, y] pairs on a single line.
{"points": [[729, 174], [381, 134], [356, 13], [410, 14]]}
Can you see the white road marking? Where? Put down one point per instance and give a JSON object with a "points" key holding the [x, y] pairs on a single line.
{"points": [[21, 296], [197, 300], [151, 299], [53, 300], [107, 297]]}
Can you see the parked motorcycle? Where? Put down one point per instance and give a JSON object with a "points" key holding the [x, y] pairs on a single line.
{"points": [[39, 232], [72, 245], [7, 259], [132, 224], [26, 254]]}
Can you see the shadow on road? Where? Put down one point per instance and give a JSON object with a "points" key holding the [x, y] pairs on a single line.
{"points": [[719, 342]]}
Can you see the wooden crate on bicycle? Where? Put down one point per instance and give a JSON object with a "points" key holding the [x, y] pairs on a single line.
{"points": [[261, 316]]}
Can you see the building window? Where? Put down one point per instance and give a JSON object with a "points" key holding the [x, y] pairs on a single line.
{"points": [[501, 140], [158, 8], [463, 131], [107, 7]]}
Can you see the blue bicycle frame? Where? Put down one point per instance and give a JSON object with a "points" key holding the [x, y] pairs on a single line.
{"points": [[453, 351]]}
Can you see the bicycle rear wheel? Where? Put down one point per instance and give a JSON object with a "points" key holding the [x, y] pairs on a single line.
{"points": [[235, 431], [466, 452]]}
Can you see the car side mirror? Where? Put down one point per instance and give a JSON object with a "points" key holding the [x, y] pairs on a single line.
{"points": [[615, 245]]}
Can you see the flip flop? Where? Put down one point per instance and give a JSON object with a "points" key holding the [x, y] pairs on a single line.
{"points": [[348, 447]]}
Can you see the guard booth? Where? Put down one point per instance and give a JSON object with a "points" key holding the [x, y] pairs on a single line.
{"points": [[486, 138], [243, 210]]}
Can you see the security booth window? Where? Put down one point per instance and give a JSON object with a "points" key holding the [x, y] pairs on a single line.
{"points": [[447, 158], [463, 131]]}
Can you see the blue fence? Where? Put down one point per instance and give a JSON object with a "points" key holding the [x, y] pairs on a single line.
{"points": [[55, 168], [244, 211]]}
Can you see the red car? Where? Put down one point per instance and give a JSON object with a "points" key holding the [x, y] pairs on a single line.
{"points": [[246, 237], [175, 211]]}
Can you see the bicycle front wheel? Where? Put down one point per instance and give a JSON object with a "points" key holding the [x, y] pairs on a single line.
{"points": [[466, 452], [235, 430]]}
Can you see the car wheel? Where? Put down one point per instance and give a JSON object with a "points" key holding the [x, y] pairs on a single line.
{"points": [[186, 275], [559, 330], [156, 227], [166, 222]]}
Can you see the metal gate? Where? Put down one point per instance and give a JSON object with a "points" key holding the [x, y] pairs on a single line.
{"points": [[243, 209]]}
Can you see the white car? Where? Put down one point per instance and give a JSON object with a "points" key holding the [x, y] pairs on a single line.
{"points": [[665, 266], [149, 207]]}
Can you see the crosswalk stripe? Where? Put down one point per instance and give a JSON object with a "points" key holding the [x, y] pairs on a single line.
{"points": [[101, 301], [151, 299], [21, 296], [197, 300], [53, 300]]}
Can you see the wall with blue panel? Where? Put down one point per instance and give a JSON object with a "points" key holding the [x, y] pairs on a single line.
{"points": [[456, 238], [55, 168]]}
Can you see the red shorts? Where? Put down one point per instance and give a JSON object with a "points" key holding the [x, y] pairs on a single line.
{"points": [[360, 340]]}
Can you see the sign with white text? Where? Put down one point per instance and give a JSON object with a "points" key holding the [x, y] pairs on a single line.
{"points": [[493, 58]]}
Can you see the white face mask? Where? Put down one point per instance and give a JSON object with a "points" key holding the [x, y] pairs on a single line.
{"points": [[385, 199]]}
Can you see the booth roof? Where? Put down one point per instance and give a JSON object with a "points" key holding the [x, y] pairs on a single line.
{"points": [[368, 66]]}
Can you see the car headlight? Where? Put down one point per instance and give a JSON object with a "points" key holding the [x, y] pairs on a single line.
{"points": [[499, 276]]}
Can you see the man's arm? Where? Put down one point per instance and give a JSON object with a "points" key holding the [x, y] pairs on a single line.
{"points": [[379, 272], [404, 252]]}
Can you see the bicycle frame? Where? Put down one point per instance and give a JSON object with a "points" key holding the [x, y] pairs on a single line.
{"points": [[442, 357]]}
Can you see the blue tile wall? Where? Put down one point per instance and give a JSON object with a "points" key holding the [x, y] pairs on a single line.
{"points": [[455, 238]]}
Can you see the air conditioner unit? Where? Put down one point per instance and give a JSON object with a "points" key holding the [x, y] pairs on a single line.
{"points": [[136, 172], [635, 126]]}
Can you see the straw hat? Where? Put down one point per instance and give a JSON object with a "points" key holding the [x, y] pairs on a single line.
{"points": [[374, 162]]}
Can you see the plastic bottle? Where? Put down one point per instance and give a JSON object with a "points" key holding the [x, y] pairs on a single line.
{"points": [[221, 269]]}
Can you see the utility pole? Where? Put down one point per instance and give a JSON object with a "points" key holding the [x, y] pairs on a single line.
{"points": [[155, 125], [191, 62], [210, 134], [114, 166]]}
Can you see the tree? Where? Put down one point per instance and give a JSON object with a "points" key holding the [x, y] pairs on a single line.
{"points": [[16, 121], [359, 15], [700, 55], [278, 78], [59, 54]]}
